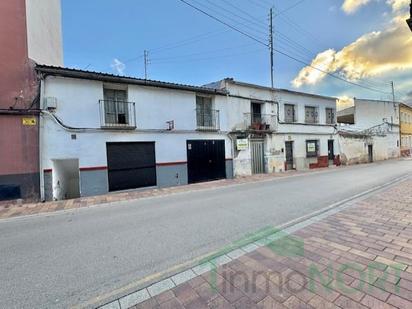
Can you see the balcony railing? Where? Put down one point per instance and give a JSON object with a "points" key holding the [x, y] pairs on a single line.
{"points": [[260, 122], [117, 114], [207, 120]]}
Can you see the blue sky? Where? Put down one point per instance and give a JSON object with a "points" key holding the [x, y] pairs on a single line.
{"points": [[186, 46]]}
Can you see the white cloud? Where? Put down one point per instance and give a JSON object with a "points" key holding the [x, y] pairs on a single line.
{"points": [[118, 66], [351, 6], [398, 5], [372, 54]]}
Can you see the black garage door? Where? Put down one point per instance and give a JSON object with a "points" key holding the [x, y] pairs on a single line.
{"points": [[131, 165], [206, 160]]}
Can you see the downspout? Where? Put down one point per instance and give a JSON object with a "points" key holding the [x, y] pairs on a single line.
{"points": [[42, 194], [232, 143]]}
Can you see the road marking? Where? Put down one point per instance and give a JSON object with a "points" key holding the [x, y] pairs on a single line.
{"points": [[288, 227]]}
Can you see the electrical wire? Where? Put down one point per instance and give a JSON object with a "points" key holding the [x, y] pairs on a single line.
{"points": [[225, 23], [279, 51]]}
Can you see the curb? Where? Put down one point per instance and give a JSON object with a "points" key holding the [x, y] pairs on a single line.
{"points": [[217, 259]]}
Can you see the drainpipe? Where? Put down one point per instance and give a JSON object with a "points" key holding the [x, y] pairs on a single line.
{"points": [[42, 195]]}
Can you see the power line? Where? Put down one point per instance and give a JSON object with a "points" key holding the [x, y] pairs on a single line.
{"points": [[225, 23], [290, 7], [328, 73]]}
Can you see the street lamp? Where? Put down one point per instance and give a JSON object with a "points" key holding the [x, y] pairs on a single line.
{"points": [[409, 21]]}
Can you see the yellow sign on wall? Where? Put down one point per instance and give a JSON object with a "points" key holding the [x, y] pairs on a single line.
{"points": [[31, 121]]}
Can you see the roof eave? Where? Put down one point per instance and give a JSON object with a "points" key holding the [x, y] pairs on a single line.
{"points": [[104, 77]]}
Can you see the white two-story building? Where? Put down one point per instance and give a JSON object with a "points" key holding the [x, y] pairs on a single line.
{"points": [[103, 133], [276, 129]]}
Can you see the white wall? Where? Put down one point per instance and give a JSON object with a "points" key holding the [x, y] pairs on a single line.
{"points": [[369, 113], [44, 31], [355, 150], [78, 107]]}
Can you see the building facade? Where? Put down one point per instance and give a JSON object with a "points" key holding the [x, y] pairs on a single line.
{"points": [[406, 129], [276, 130], [102, 133], [30, 33], [369, 131]]}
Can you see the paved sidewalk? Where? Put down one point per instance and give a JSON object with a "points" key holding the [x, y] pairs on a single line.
{"points": [[15, 209], [360, 257]]}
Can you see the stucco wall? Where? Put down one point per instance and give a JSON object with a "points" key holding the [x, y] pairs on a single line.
{"points": [[355, 150], [44, 31], [369, 113]]}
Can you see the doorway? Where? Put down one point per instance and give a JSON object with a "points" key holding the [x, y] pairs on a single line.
{"points": [[66, 179], [331, 151], [258, 156], [289, 156], [370, 153], [205, 160]]}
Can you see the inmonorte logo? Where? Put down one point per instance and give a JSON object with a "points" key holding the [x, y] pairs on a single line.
{"points": [[280, 266]]}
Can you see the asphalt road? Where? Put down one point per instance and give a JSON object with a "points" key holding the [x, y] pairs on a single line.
{"points": [[65, 259]]}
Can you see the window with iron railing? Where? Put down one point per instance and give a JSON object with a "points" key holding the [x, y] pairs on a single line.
{"points": [[116, 111], [206, 117]]}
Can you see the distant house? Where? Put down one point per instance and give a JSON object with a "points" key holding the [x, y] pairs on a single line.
{"points": [[406, 129], [369, 131]]}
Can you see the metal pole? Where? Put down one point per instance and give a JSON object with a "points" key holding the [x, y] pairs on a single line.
{"points": [[146, 62], [272, 82]]}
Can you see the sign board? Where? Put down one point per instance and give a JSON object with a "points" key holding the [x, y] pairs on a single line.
{"points": [[29, 121], [242, 144], [311, 147]]}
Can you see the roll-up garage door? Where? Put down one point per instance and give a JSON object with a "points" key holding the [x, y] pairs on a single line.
{"points": [[131, 165]]}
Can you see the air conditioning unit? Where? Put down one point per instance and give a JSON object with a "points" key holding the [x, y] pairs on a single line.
{"points": [[50, 103]]}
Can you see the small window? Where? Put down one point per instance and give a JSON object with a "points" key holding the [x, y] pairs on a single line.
{"points": [[311, 114], [116, 107], [290, 113], [330, 116], [312, 148]]}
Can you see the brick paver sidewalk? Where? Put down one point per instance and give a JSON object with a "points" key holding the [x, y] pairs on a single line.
{"points": [[360, 257], [15, 209]]}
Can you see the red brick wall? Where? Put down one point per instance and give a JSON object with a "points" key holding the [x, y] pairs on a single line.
{"points": [[323, 161]]}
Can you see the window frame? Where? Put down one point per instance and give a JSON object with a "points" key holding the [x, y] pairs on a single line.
{"points": [[294, 116], [316, 111], [115, 107], [201, 111], [333, 112]]}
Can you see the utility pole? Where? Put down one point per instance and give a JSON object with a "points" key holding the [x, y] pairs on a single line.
{"points": [[409, 21], [393, 100], [146, 63], [393, 92], [272, 82]]}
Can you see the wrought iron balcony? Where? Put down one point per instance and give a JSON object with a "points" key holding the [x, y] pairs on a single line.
{"points": [[260, 122], [117, 114], [207, 120]]}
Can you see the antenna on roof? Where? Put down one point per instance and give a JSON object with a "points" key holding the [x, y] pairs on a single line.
{"points": [[146, 63]]}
